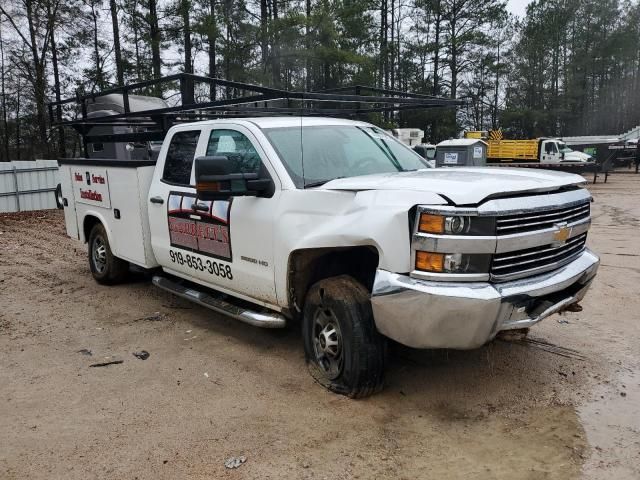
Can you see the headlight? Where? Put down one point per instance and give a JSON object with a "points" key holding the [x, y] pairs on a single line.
{"points": [[456, 224], [452, 262]]}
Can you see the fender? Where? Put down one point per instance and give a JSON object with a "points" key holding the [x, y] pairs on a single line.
{"points": [[310, 219], [100, 217]]}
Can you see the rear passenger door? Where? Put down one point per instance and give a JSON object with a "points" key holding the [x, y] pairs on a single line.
{"points": [[173, 181]]}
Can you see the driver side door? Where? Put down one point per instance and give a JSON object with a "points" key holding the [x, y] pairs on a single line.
{"points": [[226, 244]]}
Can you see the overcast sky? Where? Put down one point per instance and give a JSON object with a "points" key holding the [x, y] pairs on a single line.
{"points": [[518, 7]]}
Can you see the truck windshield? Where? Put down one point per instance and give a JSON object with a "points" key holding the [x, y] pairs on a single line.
{"points": [[314, 155], [564, 148]]}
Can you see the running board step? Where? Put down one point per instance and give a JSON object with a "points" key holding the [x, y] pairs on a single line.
{"points": [[257, 319]]}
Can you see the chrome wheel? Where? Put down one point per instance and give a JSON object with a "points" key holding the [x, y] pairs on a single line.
{"points": [[327, 343], [99, 254]]}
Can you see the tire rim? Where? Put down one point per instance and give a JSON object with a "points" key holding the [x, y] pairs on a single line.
{"points": [[99, 254], [327, 343], [60, 197]]}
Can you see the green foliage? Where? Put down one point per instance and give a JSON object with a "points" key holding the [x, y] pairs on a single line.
{"points": [[575, 69], [568, 66]]}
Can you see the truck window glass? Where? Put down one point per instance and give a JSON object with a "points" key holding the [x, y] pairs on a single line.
{"points": [[237, 148], [182, 149], [328, 152], [548, 148]]}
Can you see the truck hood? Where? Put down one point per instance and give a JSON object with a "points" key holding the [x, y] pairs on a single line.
{"points": [[577, 157], [463, 186]]}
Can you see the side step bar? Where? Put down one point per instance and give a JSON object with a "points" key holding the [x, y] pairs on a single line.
{"points": [[257, 319]]}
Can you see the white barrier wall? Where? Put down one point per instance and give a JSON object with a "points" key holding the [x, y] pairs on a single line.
{"points": [[28, 185]]}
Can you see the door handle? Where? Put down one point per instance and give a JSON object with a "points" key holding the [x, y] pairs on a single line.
{"points": [[200, 207], [159, 200]]}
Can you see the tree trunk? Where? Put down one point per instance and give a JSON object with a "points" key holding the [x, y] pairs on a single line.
{"points": [[18, 139], [186, 22], [275, 47], [227, 49], [96, 49], [307, 42], [436, 50], [386, 48], [56, 83], [393, 46], [211, 37], [136, 42], [154, 33], [264, 35], [5, 123], [383, 45], [116, 42], [496, 91], [100, 81], [39, 83]]}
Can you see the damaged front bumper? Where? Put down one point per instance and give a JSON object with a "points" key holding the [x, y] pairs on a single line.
{"points": [[432, 314]]}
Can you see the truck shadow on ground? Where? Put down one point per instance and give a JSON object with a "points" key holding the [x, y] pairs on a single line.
{"points": [[500, 375]]}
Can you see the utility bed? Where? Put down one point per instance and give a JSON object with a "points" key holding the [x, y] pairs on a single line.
{"points": [[115, 192]]}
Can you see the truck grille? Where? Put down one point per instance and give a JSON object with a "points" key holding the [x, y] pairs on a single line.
{"points": [[522, 263], [531, 221]]}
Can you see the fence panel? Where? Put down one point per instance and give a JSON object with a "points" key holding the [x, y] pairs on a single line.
{"points": [[28, 185]]}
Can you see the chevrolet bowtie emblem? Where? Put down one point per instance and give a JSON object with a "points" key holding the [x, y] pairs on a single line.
{"points": [[563, 232]]}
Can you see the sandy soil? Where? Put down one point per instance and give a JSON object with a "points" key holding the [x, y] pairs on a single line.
{"points": [[565, 405]]}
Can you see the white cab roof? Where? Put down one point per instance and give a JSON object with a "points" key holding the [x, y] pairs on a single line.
{"points": [[284, 121]]}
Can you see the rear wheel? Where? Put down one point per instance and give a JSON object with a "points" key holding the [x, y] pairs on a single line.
{"points": [[105, 267], [59, 197], [344, 351]]}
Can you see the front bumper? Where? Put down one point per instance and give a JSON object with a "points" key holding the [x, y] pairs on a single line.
{"points": [[431, 314]]}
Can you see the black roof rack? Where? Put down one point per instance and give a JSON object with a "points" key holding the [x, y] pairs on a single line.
{"points": [[225, 99]]}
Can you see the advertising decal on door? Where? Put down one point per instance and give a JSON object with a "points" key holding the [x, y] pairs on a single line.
{"points": [[203, 230]]}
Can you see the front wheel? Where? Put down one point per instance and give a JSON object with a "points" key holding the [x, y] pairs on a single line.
{"points": [[344, 351], [105, 267]]}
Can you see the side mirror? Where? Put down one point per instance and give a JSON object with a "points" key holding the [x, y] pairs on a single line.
{"points": [[215, 180]]}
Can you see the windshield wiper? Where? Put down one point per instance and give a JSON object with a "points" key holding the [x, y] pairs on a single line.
{"points": [[319, 183], [384, 149]]}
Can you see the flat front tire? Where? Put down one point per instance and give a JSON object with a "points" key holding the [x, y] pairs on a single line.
{"points": [[106, 268], [343, 349]]}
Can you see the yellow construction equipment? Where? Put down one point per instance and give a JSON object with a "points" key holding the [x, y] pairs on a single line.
{"points": [[481, 134], [512, 150], [500, 150]]}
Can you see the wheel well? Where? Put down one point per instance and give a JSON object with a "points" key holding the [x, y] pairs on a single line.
{"points": [[89, 222], [309, 266]]}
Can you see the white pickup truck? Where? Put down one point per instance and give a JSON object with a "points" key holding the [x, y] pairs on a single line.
{"points": [[336, 224]]}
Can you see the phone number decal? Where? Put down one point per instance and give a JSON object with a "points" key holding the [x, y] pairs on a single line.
{"points": [[214, 268]]}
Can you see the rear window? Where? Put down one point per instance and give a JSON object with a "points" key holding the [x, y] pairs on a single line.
{"points": [[182, 149]]}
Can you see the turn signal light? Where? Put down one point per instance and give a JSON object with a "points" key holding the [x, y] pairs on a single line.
{"points": [[431, 223], [429, 261], [208, 187]]}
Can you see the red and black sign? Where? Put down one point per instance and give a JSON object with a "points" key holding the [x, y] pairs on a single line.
{"points": [[203, 230], [91, 195]]}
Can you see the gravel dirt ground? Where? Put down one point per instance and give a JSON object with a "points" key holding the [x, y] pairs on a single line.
{"points": [[565, 404]]}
